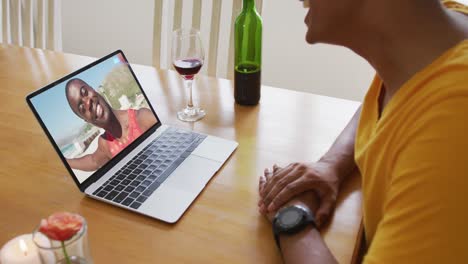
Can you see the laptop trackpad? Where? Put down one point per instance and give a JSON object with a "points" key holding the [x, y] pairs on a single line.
{"points": [[215, 148], [192, 174], [175, 194]]}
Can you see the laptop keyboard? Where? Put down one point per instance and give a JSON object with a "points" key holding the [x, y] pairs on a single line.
{"points": [[143, 174]]}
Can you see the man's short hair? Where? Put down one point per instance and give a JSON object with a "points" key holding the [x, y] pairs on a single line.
{"points": [[67, 91]]}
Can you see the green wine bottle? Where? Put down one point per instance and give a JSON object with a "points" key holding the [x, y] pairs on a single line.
{"points": [[248, 55]]}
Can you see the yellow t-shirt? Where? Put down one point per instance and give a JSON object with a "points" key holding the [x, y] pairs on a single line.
{"points": [[414, 165]]}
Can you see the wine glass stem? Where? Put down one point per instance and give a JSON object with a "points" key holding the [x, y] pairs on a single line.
{"points": [[188, 84]]}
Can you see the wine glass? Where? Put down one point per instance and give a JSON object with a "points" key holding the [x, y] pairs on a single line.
{"points": [[188, 58]]}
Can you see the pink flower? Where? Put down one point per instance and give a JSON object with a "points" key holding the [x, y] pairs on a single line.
{"points": [[61, 226]]}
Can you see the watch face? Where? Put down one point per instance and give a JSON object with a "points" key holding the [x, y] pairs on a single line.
{"points": [[290, 218]]}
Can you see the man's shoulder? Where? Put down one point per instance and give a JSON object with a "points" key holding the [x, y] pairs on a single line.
{"points": [[445, 78], [458, 55]]}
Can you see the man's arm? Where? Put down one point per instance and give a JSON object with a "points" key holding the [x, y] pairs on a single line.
{"points": [[85, 163], [341, 153], [323, 177], [307, 246], [92, 162]]}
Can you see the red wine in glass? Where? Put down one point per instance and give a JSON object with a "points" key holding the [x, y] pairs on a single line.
{"points": [[188, 67], [188, 57]]}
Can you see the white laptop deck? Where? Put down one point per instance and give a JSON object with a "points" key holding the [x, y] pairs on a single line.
{"points": [[174, 196]]}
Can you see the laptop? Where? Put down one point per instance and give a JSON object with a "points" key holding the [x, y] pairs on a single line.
{"points": [[110, 139]]}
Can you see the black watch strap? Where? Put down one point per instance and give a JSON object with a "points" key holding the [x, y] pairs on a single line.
{"points": [[308, 218]]}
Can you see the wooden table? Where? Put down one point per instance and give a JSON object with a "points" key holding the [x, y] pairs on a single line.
{"points": [[222, 225]]}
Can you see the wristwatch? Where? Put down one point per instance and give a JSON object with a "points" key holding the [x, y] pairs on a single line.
{"points": [[292, 219]]}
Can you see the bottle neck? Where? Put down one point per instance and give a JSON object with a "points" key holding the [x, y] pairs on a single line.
{"points": [[248, 5]]}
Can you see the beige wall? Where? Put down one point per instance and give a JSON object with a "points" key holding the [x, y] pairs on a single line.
{"points": [[289, 62], [96, 28]]}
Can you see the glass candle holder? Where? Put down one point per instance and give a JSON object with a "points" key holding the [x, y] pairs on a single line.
{"points": [[72, 251]]}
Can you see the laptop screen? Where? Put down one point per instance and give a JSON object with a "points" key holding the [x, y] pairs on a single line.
{"points": [[95, 114]]}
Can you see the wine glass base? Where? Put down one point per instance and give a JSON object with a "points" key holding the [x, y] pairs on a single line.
{"points": [[191, 114]]}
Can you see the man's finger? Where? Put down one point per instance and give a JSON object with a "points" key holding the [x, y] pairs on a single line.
{"points": [[276, 168], [261, 185], [268, 174], [327, 204], [280, 184], [274, 178], [261, 182], [286, 194]]}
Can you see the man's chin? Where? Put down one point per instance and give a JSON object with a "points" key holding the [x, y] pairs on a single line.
{"points": [[314, 36], [99, 125], [310, 39]]}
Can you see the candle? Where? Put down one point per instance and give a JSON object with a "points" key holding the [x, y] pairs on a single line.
{"points": [[20, 250]]}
